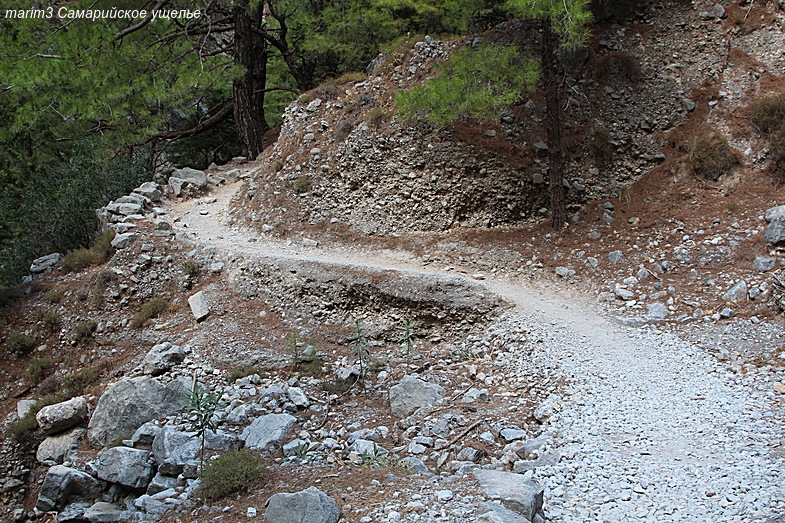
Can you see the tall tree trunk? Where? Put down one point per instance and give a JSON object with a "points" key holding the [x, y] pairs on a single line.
{"points": [[250, 52], [553, 124]]}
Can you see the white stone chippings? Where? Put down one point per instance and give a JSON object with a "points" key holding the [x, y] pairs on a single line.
{"points": [[653, 429]]}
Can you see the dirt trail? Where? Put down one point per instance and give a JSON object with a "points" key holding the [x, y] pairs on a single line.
{"points": [[649, 429]]}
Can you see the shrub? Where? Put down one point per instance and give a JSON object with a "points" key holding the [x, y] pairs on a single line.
{"points": [[711, 156], [52, 321], [102, 247], [19, 343], [38, 369], [84, 330], [101, 251], [326, 92], [9, 296], [768, 114], [190, 268], [346, 78], [344, 130], [302, 184], [619, 66], [378, 115], [602, 147], [151, 309], [233, 473], [23, 427], [77, 382], [53, 296], [242, 371]]}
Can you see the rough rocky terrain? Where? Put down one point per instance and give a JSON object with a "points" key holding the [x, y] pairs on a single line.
{"points": [[627, 368]]}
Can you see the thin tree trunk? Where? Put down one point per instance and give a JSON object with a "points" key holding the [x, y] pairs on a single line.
{"points": [[250, 52], [553, 125]]}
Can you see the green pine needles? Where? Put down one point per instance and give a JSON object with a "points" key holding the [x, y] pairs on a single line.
{"points": [[478, 82]]}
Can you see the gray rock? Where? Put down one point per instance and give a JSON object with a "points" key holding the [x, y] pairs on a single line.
{"points": [[775, 213], [307, 242], [149, 190], [367, 447], [689, 104], [298, 397], [416, 465], [512, 434], [145, 434], [161, 225], [763, 263], [173, 449], [131, 402], [295, 447], [160, 483], [162, 357], [125, 208], [54, 450], [529, 449], [196, 178], [314, 105], [656, 312], [199, 306], [62, 416], [775, 232], [124, 240], [563, 272], [624, 294], [64, 485], [132, 468], [615, 256], [308, 506], [102, 512], [45, 263], [727, 312], [498, 513], [73, 513], [473, 394], [513, 491], [24, 406], [470, 454], [176, 185], [736, 293], [411, 394], [592, 262], [151, 506], [547, 408], [267, 430]]}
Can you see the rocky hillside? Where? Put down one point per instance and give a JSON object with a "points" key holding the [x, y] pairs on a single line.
{"points": [[376, 313]]}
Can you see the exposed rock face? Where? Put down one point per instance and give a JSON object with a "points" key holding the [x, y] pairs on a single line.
{"points": [[131, 402], [411, 394], [196, 178], [63, 485], [45, 263], [516, 493], [199, 306], [308, 506], [174, 449], [62, 416], [56, 449], [149, 190], [132, 468], [267, 430], [775, 232]]}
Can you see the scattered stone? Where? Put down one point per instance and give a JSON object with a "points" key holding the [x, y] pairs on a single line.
{"points": [[516, 493], [656, 312], [473, 394], [145, 435], [615, 256], [149, 190], [763, 263], [162, 358], [103, 512], [727, 312], [298, 397], [62, 416], [307, 242], [411, 394], [267, 430], [547, 408], [132, 468], [510, 434], [122, 241], [624, 294], [308, 506], [199, 306]]}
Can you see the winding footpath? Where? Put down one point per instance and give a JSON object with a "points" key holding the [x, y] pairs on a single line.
{"points": [[649, 428]]}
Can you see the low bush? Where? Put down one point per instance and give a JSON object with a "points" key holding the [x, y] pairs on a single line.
{"points": [[84, 330], [378, 115], [19, 343], [711, 156], [602, 147], [77, 382], [768, 115], [233, 473], [38, 369], [242, 371], [53, 296], [52, 321], [190, 268], [346, 78], [151, 309], [18, 430], [101, 251], [301, 184]]}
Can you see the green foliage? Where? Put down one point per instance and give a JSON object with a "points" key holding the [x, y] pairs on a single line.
{"points": [[361, 350], [711, 156], [346, 78], [569, 19], [38, 369], [152, 309], [768, 115], [19, 343], [77, 382], [478, 82], [243, 371], [52, 321], [301, 184], [407, 332], [100, 252], [200, 406], [233, 473], [376, 457], [191, 268], [20, 429], [84, 330], [53, 296], [77, 260]]}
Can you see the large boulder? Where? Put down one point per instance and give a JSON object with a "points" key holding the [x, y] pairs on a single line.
{"points": [[199, 306], [132, 468], [196, 178], [64, 485], [267, 430], [62, 416], [515, 492], [411, 394], [162, 357], [308, 506], [131, 402], [173, 449], [775, 232], [56, 449], [149, 190]]}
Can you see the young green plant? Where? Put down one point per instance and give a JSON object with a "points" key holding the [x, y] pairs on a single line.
{"points": [[201, 404], [407, 333], [361, 351]]}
